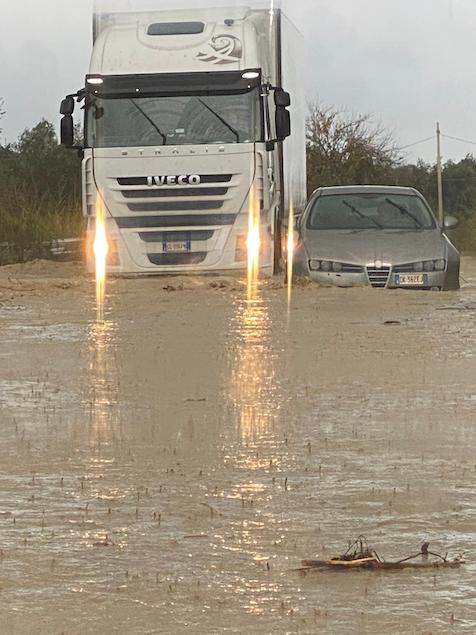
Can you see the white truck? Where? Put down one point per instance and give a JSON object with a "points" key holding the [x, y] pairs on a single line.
{"points": [[186, 116]]}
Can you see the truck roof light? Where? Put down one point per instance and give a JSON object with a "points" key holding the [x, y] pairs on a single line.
{"points": [[176, 28], [95, 80], [250, 75]]}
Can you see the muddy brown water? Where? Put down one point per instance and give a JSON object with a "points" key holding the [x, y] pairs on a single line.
{"points": [[165, 472]]}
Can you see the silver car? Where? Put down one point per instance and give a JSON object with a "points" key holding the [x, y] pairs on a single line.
{"points": [[378, 236]]}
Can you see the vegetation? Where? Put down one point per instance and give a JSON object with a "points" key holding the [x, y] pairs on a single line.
{"points": [[40, 181], [343, 149], [40, 194]]}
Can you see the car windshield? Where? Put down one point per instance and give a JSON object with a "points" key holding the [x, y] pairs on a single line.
{"points": [[153, 121], [370, 211]]}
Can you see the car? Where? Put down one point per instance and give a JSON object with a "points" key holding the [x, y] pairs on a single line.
{"points": [[385, 237]]}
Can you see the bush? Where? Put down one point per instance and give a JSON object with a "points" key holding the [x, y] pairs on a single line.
{"points": [[40, 195]]}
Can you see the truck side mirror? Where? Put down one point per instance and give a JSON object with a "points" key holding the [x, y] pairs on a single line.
{"points": [[67, 105], [67, 131], [282, 100], [283, 124]]}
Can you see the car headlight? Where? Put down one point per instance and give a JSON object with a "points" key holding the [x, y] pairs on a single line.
{"points": [[336, 266], [326, 265], [430, 265], [314, 265]]}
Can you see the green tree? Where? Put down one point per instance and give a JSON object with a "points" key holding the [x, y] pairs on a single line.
{"points": [[347, 150], [40, 194]]}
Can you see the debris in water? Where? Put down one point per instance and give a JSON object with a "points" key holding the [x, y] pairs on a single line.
{"points": [[360, 556]]}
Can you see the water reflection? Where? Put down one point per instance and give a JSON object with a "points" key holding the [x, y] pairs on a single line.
{"points": [[103, 389], [253, 388]]}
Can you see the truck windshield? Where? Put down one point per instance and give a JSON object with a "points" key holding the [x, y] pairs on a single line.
{"points": [[185, 120]]}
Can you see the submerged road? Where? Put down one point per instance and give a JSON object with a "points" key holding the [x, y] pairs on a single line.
{"points": [[166, 470]]}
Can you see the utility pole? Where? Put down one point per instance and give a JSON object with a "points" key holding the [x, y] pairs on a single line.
{"points": [[439, 175]]}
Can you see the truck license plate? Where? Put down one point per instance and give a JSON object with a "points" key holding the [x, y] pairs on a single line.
{"points": [[176, 246], [411, 279]]}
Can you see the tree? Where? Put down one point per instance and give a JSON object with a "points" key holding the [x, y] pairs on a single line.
{"points": [[2, 110], [347, 150], [40, 194]]}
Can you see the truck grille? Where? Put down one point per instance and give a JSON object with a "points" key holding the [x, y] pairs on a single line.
{"points": [[194, 258], [199, 216], [208, 195], [194, 220], [378, 276]]}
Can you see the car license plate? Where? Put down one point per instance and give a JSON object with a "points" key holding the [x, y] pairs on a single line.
{"points": [[176, 246], [411, 279]]}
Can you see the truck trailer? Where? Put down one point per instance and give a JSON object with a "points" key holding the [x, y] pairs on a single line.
{"points": [[187, 116]]}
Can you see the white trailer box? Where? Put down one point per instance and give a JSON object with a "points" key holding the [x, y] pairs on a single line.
{"points": [[186, 126]]}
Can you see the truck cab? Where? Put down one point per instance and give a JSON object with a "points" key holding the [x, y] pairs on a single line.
{"points": [[186, 117]]}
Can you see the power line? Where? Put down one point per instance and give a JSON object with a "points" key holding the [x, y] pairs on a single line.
{"points": [[416, 143], [472, 143]]}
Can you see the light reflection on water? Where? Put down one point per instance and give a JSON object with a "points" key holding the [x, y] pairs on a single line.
{"points": [[104, 388], [253, 389]]}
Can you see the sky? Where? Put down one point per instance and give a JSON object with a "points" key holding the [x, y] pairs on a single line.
{"points": [[408, 63]]}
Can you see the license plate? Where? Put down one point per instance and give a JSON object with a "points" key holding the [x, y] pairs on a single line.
{"points": [[176, 246], [411, 279]]}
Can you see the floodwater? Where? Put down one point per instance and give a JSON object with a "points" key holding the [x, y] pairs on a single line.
{"points": [[166, 470]]}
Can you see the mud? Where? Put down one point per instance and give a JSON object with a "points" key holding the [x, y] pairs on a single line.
{"points": [[165, 471]]}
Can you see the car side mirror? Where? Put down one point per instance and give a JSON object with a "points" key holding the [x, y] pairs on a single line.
{"points": [[450, 222], [67, 131]]}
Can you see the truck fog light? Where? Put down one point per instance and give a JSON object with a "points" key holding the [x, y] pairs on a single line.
{"points": [[326, 266], [336, 266], [315, 265], [429, 265], [418, 266], [440, 265]]}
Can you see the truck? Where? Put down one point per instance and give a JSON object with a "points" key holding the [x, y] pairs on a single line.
{"points": [[191, 118]]}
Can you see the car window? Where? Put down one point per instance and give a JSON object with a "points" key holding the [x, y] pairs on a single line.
{"points": [[370, 211]]}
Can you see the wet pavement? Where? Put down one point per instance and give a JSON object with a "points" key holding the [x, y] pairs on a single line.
{"points": [[166, 470]]}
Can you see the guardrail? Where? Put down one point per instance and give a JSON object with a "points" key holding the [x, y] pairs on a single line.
{"points": [[61, 249]]}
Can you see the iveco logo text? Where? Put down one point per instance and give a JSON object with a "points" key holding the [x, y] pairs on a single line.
{"points": [[192, 179]]}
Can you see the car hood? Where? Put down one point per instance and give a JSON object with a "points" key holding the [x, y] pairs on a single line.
{"points": [[362, 247]]}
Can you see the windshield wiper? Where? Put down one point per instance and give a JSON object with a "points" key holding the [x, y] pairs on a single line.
{"points": [[220, 118], [151, 121], [362, 215], [405, 212]]}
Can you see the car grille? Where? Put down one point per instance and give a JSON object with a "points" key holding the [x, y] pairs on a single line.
{"points": [[378, 276]]}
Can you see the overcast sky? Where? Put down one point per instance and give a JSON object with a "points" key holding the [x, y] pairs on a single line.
{"points": [[408, 62]]}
